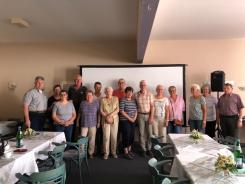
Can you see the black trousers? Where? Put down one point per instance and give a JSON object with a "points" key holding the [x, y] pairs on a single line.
{"points": [[229, 126], [99, 140], [128, 130], [37, 120], [210, 128]]}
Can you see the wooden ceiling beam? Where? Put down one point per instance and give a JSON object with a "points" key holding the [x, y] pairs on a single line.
{"points": [[146, 15]]}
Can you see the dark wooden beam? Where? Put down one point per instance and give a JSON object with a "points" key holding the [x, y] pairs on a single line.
{"points": [[146, 14]]}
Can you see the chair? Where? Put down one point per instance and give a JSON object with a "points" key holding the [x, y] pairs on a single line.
{"points": [[157, 177], [156, 141], [179, 181], [78, 153], [55, 156], [164, 152], [56, 176], [228, 140]]}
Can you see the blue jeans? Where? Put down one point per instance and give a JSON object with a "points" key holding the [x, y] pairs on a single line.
{"points": [[176, 129], [196, 124], [67, 130]]}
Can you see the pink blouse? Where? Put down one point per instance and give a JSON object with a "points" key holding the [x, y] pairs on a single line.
{"points": [[176, 108]]}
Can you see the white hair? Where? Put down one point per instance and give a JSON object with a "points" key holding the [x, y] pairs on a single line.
{"points": [[107, 88], [196, 86]]}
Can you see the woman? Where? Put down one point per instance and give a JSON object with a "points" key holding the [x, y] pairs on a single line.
{"points": [[211, 110], [88, 117], [64, 115], [51, 100], [128, 115], [161, 113], [197, 109], [176, 108], [109, 108]]}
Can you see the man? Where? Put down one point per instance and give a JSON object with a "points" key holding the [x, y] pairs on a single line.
{"points": [[144, 101], [97, 90], [230, 109], [35, 105], [77, 93], [120, 92], [99, 132]]}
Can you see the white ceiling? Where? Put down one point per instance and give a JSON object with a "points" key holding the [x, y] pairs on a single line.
{"points": [[68, 20], [95, 20], [199, 19]]}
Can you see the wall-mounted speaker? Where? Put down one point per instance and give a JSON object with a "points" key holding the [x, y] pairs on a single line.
{"points": [[217, 80]]}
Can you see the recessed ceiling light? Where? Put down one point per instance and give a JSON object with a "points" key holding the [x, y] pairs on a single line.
{"points": [[19, 22]]}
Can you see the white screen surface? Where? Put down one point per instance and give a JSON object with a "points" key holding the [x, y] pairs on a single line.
{"points": [[154, 75]]}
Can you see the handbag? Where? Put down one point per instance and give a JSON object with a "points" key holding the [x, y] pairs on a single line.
{"points": [[109, 119], [176, 121]]}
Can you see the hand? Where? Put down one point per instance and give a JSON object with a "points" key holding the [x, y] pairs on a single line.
{"points": [[166, 123], [151, 120], [131, 120], [239, 123]]}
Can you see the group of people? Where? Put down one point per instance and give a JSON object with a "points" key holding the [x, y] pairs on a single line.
{"points": [[209, 113], [104, 117]]}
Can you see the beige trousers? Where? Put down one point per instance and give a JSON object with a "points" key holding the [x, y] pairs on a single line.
{"points": [[91, 133], [159, 128], [110, 137], [145, 131]]}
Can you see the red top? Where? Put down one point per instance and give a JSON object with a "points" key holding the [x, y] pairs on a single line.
{"points": [[118, 93]]}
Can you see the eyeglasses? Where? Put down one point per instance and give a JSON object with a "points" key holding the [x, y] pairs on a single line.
{"points": [[64, 94]]}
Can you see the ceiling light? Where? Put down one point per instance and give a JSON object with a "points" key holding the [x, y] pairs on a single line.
{"points": [[19, 21]]}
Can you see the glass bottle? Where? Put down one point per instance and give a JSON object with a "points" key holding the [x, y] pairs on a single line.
{"points": [[19, 138]]}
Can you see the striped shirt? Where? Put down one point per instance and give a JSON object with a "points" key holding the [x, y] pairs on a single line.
{"points": [[144, 102], [129, 107], [89, 113]]}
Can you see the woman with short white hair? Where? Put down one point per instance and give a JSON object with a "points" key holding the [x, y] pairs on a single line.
{"points": [[197, 109], [109, 108], [211, 102]]}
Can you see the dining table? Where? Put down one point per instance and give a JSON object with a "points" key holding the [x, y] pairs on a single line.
{"points": [[196, 160], [23, 160]]}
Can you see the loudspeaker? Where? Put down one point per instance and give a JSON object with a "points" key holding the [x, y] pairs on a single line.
{"points": [[217, 80]]}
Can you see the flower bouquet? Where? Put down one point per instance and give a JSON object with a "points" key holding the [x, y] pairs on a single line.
{"points": [[196, 136], [225, 164]]}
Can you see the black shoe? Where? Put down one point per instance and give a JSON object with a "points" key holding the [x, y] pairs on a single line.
{"points": [[143, 154], [149, 153], [128, 157], [131, 154]]}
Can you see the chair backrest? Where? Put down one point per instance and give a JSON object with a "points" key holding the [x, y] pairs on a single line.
{"points": [[152, 167], [83, 146], [58, 152], [56, 176]]}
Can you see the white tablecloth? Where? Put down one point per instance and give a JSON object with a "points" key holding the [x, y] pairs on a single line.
{"points": [[26, 162], [196, 161]]}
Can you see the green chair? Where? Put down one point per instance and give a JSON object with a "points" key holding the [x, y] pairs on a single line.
{"points": [[156, 141], [155, 168], [228, 141], [164, 152], [56, 156], [56, 176], [77, 152]]}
